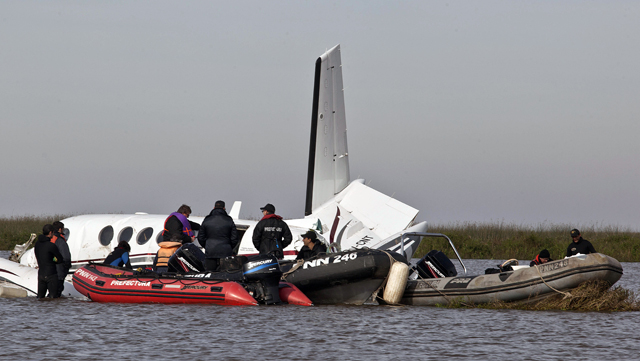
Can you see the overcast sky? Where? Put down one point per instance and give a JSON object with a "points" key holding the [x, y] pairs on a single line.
{"points": [[521, 112]]}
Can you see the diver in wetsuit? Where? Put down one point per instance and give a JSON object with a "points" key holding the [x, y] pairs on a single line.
{"points": [[48, 256], [120, 256]]}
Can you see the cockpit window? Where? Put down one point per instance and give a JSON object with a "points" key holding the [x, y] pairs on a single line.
{"points": [[125, 234], [106, 235], [159, 238], [144, 236]]}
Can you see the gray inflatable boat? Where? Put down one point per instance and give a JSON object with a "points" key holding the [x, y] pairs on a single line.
{"points": [[521, 284]]}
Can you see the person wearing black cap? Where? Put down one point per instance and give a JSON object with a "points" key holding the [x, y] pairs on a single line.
{"points": [[579, 245], [312, 246], [218, 236], [272, 234], [542, 257]]}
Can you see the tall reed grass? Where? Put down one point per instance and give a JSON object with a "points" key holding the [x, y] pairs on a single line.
{"points": [[508, 240], [16, 230]]}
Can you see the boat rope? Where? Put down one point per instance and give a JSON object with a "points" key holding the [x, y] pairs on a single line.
{"points": [[566, 294], [297, 265]]}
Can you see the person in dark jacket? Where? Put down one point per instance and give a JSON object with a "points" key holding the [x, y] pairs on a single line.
{"points": [[542, 257], [177, 225], [312, 246], [218, 236], [61, 242], [120, 256], [48, 256], [272, 234], [579, 244]]}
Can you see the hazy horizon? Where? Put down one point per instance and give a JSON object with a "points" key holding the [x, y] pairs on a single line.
{"points": [[515, 112]]}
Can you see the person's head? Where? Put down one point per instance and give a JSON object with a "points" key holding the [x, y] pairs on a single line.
{"points": [[184, 210], [124, 245], [268, 209], [575, 235], [219, 205], [58, 226], [309, 237], [544, 256], [47, 229]]}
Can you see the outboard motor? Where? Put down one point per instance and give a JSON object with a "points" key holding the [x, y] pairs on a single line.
{"points": [[436, 265], [263, 274], [188, 258]]}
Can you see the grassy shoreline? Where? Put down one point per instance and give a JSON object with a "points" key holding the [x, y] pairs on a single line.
{"points": [[505, 241], [499, 241]]}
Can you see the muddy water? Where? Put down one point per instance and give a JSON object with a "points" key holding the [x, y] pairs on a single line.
{"points": [[71, 329]]}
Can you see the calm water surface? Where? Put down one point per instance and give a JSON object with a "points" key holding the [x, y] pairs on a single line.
{"points": [[68, 329]]}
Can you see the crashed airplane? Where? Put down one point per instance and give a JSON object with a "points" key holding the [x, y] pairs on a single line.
{"points": [[347, 214]]}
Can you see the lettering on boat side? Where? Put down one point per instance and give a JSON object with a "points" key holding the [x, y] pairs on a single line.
{"points": [[425, 284], [459, 282], [333, 259], [194, 288], [551, 266], [130, 283], [86, 275]]}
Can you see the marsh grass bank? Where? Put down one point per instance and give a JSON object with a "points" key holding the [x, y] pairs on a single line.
{"points": [[16, 230], [502, 241], [589, 296]]}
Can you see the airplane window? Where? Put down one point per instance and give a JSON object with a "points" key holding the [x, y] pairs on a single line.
{"points": [[125, 234], [159, 238], [66, 233], [144, 235], [106, 235]]}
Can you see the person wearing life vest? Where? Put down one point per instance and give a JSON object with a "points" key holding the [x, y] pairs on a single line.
{"points": [[47, 255], [167, 249], [271, 235], [61, 242], [120, 256], [177, 225], [541, 258]]}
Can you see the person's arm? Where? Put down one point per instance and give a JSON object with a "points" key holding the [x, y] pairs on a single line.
{"points": [[287, 236], [64, 250], [56, 253], [569, 250], [202, 237], [194, 226], [234, 236], [126, 260], [257, 236]]}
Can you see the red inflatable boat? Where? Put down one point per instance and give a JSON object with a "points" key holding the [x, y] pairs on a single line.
{"points": [[103, 283]]}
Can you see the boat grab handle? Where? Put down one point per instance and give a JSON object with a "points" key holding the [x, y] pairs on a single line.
{"points": [[426, 234]]}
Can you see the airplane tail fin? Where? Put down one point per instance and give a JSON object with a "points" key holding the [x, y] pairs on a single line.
{"points": [[328, 172]]}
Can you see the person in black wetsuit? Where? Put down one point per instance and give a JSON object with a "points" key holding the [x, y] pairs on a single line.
{"points": [[312, 246], [120, 256], [218, 235], [542, 257], [48, 256], [579, 244], [271, 235], [61, 242]]}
